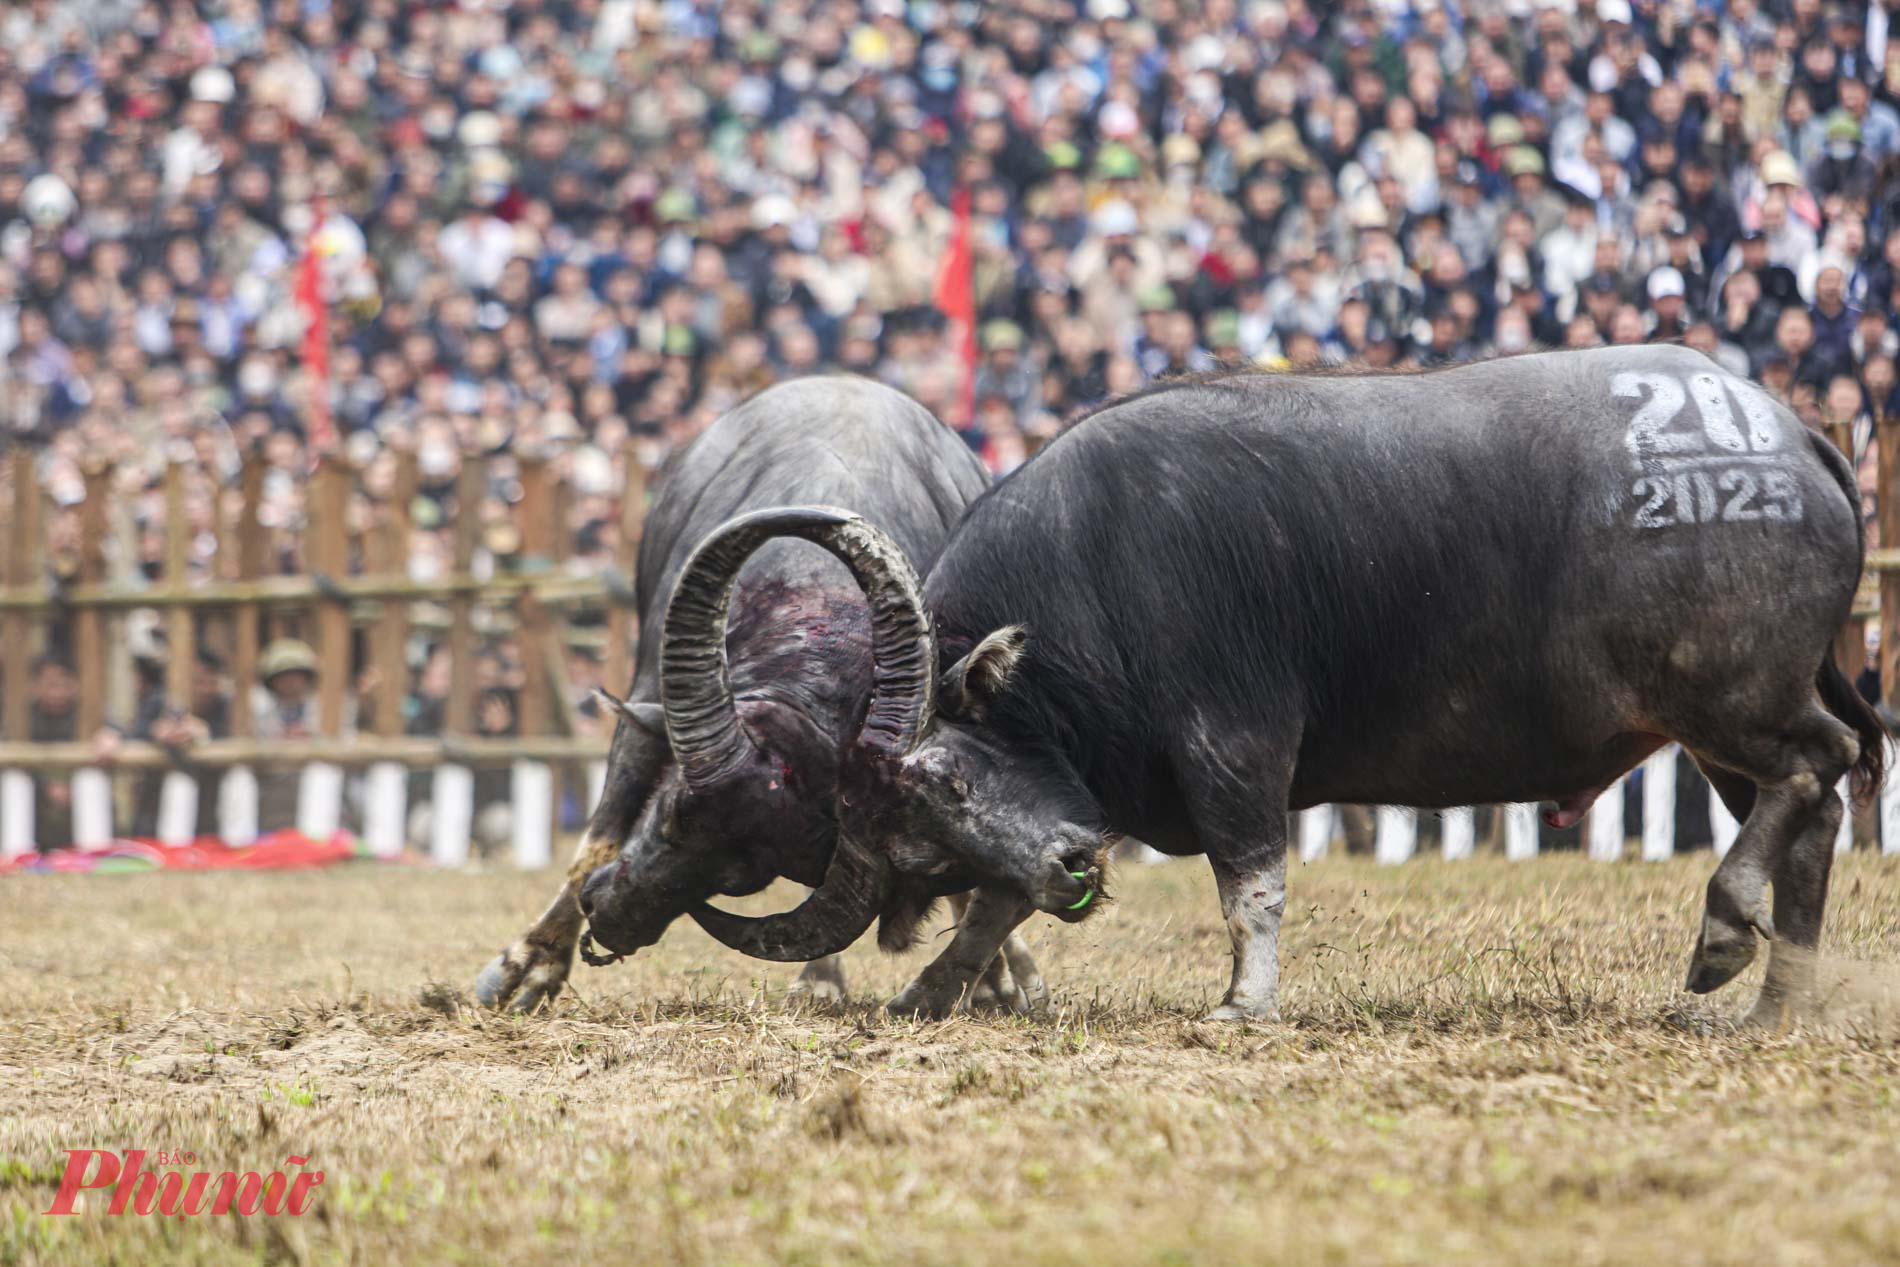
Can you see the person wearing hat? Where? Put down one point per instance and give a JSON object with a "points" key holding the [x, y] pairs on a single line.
{"points": [[1530, 192], [1668, 308], [1841, 170], [1005, 371], [1223, 336], [287, 672], [285, 707], [1157, 304]]}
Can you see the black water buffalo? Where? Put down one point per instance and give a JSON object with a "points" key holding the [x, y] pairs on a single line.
{"points": [[1503, 582], [723, 771]]}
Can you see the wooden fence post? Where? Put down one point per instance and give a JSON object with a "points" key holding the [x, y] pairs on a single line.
{"points": [[237, 791], [91, 785], [1887, 515], [532, 782], [622, 619], [21, 562], [327, 550], [386, 795], [178, 791], [452, 794]]}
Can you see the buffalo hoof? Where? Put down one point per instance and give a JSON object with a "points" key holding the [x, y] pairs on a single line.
{"points": [[1723, 950], [1772, 1014], [996, 991], [918, 1001], [821, 981], [1243, 1013], [522, 978]]}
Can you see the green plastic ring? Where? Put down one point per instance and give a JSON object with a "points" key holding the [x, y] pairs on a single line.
{"points": [[1086, 897]]}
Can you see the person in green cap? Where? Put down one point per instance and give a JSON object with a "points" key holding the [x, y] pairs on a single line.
{"points": [[1530, 192], [1842, 170], [1005, 371]]}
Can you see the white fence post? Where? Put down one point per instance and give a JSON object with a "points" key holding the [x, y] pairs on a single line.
{"points": [[386, 809], [1604, 829], [177, 809], [532, 786], [1843, 836], [1316, 832], [596, 786], [92, 807], [237, 806], [1520, 831], [1721, 823], [16, 813], [1889, 811], [451, 814], [1458, 833], [1659, 804], [1396, 838], [320, 800]]}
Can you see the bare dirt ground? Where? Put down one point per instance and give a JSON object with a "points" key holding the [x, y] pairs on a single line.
{"points": [[1481, 1062]]}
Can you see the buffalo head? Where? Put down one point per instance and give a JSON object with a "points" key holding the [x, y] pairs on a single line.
{"points": [[928, 789], [728, 783]]}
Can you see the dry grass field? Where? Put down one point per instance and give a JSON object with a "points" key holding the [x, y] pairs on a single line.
{"points": [[1480, 1063]]}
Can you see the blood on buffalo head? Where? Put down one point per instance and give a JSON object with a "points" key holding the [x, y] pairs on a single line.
{"points": [[927, 789], [728, 786]]}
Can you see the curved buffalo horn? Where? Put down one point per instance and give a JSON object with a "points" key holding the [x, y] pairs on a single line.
{"points": [[702, 719], [834, 915]]}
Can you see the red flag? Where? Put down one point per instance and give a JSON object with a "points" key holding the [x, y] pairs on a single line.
{"points": [[956, 298], [316, 338]]}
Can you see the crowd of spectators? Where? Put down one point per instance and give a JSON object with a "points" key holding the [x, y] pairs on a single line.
{"points": [[586, 227]]}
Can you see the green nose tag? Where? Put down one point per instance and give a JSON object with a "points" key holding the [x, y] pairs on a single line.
{"points": [[1086, 897]]}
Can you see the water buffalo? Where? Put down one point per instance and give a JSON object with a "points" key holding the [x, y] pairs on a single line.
{"points": [[723, 770], [1508, 581]]}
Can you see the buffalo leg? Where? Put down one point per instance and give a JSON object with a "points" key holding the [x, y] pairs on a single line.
{"points": [[996, 988], [1242, 825], [533, 970], [1252, 898], [951, 977], [1794, 769], [1800, 902], [1022, 966]]}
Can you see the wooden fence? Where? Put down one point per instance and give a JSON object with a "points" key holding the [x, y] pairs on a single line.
{"points": [[356, 582]]}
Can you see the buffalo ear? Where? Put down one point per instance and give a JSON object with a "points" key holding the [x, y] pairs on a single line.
{"points": [[648, 717], [980, 678]]}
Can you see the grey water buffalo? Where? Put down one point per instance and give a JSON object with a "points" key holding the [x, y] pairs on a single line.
{"points": [[722, 775], [1508, 581]]}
